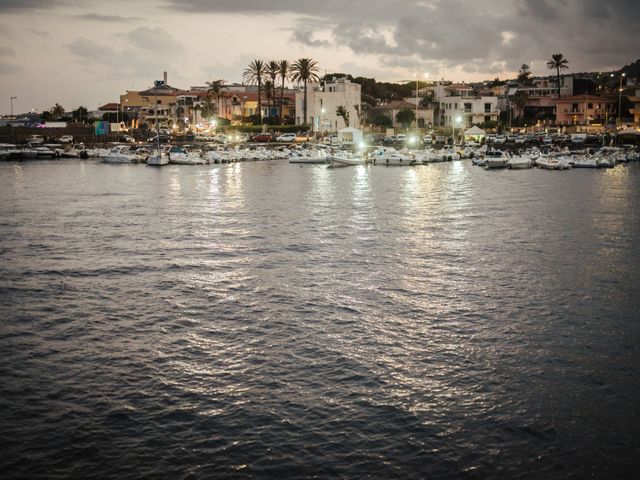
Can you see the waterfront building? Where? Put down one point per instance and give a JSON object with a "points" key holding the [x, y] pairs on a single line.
{"points": [[462, 102], [323, 102], [585, 111]]}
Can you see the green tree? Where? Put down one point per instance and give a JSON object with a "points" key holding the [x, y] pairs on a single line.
{"points": [[381, 120], [405, 117], [342, 112], [254, 75], [57, 111], [283, 72], [304, 70], [80, 114], [523, 74], [558, 62], [520, 100]]}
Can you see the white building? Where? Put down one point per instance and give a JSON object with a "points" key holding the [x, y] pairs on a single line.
{"points": [[323, 103], [471, 109]]}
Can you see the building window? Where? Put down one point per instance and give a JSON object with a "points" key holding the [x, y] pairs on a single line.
{"points": [[487, 118], [487, 107], [467, 107], [589, 106]]}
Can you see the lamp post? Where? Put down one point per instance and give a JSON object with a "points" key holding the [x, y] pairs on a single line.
{"points": [[454, 120], [620, 99], [322, 126], [12, 99]]}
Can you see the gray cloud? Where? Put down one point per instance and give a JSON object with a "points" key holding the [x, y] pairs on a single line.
{"points": [[590, 33], [106, 18], [20, 5], [305, 37], [155, 39], [40, 33], [7, 52]]}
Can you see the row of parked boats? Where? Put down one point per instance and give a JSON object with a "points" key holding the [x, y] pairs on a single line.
{"points": [[605, 157]]}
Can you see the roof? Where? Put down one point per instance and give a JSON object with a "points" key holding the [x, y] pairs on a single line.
{"points": [[109, 106], [398, 105], [475, 131]]}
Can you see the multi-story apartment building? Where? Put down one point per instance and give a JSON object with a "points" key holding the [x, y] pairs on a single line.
{"points": [[584, 110], [635, 111], [462, 106], [323, 102]]}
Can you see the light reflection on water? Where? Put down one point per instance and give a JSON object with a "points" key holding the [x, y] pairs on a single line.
{"points": [[429, 321]]}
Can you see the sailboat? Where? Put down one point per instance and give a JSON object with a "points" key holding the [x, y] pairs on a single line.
{"points": [[157, 157]]}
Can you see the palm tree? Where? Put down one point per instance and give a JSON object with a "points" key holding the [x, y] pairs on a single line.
{"points": [[342, 112], [283, 71], [268, 88], [557, 61], [304, 70], [214, 90], [253, 76], [272, 71]]}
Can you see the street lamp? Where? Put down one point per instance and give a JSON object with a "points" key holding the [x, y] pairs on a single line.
{"points": [[12, 99], [322, 126], [455, 120], [620, 98]]}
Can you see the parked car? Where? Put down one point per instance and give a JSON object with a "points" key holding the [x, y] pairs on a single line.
{"points": [[221, 138], [499, 139], [262, 137], [519, 139], [286, 137], [125, 138], [65, 139], [441, 139], [427, 139]]}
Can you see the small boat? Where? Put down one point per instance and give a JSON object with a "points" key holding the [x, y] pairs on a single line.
{"points": [[183, 156], [552, 163], [519, 162], [390, 156], [309, 156], [158, 158], [121, 154], [345, 159], [496, 159]]}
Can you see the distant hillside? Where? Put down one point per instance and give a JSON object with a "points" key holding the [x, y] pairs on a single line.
{"points": [[632, 70]]}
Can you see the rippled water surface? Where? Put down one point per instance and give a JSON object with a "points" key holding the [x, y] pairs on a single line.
{"points": [[266, 320]]}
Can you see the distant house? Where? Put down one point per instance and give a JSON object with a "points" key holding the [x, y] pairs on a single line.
{"points": [[391, 110]]}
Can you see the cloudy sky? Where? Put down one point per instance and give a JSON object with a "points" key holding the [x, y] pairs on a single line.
{"points": [[86, 52]]}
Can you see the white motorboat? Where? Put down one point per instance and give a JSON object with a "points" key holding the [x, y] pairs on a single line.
{"points": [[583, 161], [158, 158], [183, 156], [496, 159], [552, 163], [390, 156], [309, 156], [122, 154], [345, 159], [519, 162]]}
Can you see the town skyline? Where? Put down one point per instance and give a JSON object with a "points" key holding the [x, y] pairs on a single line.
{"points": [[84, 55]]}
